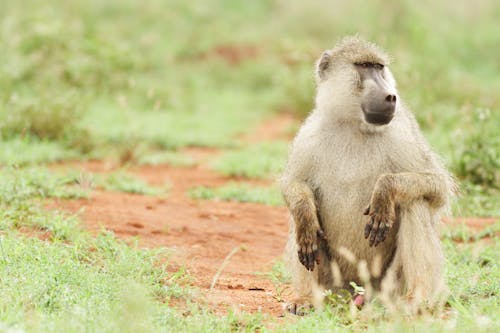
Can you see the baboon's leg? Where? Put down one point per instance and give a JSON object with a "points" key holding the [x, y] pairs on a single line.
{"points": [[303, 280], [416, 271], [324, 267]]}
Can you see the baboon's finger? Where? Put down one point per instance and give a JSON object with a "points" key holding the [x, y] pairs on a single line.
{"points": [[386, 231], [304, 256], [377, 234], [368, 227], [367, 210], [372, 238], [310, 260], [380, 234], [301, 258], [316, 256], [374, 231]]}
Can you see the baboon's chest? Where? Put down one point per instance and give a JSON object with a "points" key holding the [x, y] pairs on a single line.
{"points": [[349, 164], [351, 167], [345, 183]]}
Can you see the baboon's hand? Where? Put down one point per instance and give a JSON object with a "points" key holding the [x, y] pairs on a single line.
{"points": [[307, 242], [382, 217]]}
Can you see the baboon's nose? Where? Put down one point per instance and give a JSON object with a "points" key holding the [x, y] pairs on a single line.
{"points": [[379, 106], [391, 98]]}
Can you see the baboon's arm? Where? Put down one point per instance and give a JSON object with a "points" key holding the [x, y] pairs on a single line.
{"points": [[405, 187], [399, 190], [300, 200]]}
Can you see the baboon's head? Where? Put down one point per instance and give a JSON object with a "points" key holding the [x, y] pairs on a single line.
{"points": [[354, 83]]}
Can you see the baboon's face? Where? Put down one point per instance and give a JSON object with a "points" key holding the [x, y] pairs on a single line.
{"points": [[378, 93], [355, 84]]}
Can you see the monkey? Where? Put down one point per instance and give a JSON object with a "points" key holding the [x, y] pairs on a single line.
{"points": [[362, 185]]}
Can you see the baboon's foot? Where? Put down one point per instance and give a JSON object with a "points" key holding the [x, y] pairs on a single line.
{"points": [[299, 307]]}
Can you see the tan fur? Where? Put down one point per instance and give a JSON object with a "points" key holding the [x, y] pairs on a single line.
{"points": [[339, 164]]}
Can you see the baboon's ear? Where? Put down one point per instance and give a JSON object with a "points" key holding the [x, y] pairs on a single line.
{"points": [[322, 65]]}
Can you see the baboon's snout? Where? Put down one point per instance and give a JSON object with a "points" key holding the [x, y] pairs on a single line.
{"points": [[378, 106]]}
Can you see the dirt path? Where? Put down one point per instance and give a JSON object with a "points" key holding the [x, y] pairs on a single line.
{"points": [[201, 233], [275, 128]]}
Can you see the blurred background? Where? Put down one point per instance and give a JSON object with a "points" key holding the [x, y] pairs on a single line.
{"points": [[139, 80]]}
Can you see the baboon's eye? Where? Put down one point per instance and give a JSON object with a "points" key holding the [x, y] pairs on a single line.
{"points": [[365, 64], [378, 66]]}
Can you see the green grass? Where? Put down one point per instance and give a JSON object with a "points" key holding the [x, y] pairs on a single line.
{"points": [[136, 81], [19, 184], [476, 200], [92, 285], [239, 192], [24, 151], [123, 182], [466, 234], [472, 305], [75, 281], [472, 275], [173, 158], [281, 278], [263, 160]]}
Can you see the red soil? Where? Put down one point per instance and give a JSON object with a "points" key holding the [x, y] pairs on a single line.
{"points": [[233, 54], [201, 233], [274, 128], [472, 222]]}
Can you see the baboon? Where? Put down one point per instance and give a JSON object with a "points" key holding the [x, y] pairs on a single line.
{"points": [[363, 186]]}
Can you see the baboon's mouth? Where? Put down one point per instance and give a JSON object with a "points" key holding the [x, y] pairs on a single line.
{"points": [[378, 118]]}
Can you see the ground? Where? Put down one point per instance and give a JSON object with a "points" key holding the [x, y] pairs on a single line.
{"points": [[202, 233], [140, 144]]}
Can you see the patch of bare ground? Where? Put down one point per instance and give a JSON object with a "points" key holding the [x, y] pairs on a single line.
{"points": [[275, 128], [40, 234], [201, 156], [232, 54], [472, 222], [200, 233]]}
